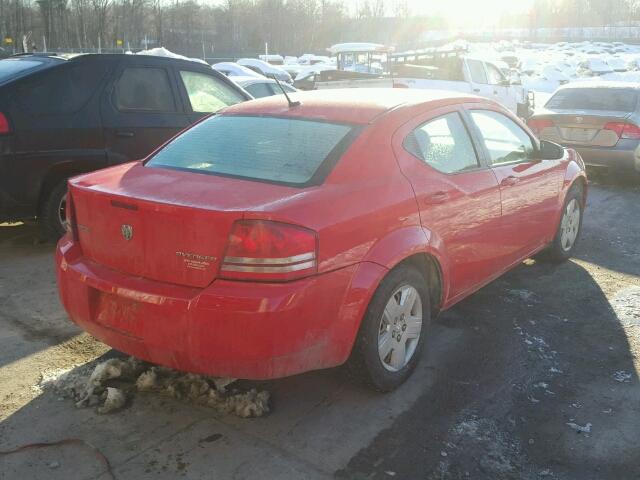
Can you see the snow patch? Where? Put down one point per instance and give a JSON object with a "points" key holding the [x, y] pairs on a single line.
{"points": [[579, 428], [112, 383]]}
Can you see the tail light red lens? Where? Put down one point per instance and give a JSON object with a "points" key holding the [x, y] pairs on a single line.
{"points": [[4, 125], [261, 250], [624, 130], [71, 216], [539, 124]]}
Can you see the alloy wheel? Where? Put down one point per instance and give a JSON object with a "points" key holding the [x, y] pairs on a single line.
{"points": [[400, 328], [570, 225]]}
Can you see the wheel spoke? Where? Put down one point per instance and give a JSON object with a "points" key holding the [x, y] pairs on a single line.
{"points": [[397, 360], [385, 344], [408, 300], [414, 325]]}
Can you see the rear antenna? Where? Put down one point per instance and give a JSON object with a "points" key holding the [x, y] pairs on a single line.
{"points": [[291, 102]]}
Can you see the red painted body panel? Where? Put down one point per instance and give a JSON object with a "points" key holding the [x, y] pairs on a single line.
{"points": [[159, 295]]}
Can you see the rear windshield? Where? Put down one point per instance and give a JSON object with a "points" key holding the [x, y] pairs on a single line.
{"points": [[280, 150], [13, 66], [611, 99]]}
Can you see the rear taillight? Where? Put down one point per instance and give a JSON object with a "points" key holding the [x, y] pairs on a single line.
{"points": [[269, 251], [539, 124], [4, 125], [628, 131], [70, 212]]}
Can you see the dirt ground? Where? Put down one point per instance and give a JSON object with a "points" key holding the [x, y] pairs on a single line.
{"points": [[535, 376]]}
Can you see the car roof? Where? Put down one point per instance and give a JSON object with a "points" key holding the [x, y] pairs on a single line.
{"points": [[356, 105], [600, 84], [79, 57], [244, 81]]}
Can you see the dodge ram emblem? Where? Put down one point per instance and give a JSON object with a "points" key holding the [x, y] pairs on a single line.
{"points": [[127, 231]]}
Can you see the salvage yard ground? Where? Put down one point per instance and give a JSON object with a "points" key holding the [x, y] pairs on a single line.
{"points": [[534, 376]]}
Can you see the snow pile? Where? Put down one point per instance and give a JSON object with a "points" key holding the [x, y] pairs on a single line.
{"points": [[114, 382], [163, 52]]}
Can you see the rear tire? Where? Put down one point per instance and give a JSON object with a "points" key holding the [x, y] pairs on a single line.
{"points": [[393, 330], [52, 219], [569, 228]]}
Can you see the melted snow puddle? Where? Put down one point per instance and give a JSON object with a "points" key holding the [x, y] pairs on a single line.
{"points": [[112, 383]]}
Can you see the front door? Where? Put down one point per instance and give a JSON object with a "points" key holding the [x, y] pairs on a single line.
{"points": [[140, 110], [529, 187], [457, 194]]}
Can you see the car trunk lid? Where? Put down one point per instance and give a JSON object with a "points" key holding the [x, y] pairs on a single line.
{"points": [[582, 128], [162, 224]]}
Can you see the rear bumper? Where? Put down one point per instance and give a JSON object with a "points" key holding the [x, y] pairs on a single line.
{"points": [[626, 158], [237, 329]]}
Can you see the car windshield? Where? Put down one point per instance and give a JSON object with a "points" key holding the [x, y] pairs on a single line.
{"points": [[281, 150], [606, 99], [10, 67]]}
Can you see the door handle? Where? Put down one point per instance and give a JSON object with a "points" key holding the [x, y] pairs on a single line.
{"points": [[495, 92], [509, 181], [477, 90], [124, 133], [436, 198]]}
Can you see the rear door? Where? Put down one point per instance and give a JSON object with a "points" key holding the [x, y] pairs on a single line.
{"points": [[529, 187], [203, 91], [141, 109], [457, 194]]}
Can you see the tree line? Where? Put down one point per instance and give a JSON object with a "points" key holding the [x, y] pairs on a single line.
{"points": [[243, 27]]}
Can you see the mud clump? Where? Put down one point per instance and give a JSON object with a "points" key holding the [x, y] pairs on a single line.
{"points": [[111, 384]]}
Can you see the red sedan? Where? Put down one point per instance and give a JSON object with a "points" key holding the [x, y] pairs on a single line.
{"points": [[276, 238]]}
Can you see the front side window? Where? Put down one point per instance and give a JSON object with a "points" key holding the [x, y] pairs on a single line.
{"points": [[478, 75], [444, 144], [505, 141], [494, 76], [144, 89], [281, 150], [208, 94]]}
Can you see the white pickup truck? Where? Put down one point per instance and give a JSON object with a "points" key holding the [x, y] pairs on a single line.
{"points": [[441, 69], [463, 73]]}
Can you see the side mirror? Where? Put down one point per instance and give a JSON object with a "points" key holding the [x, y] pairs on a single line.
{"points": [[550, 151]]}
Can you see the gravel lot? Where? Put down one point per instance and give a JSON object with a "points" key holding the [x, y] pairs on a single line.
{"points": [[535, 376]]}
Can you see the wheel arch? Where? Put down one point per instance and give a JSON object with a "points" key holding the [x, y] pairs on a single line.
{"points": [[57, 173], [413, 246]]}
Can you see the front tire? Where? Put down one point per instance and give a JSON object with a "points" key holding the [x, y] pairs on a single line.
{"points": [[568, 232], [393, 330], [52, 218]]}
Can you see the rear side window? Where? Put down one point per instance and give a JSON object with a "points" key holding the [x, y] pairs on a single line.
{"points": [[14, 66], [611, 99], [444, 144], [144, 89], [506, 142], [280, 150], [259, 90], [63, 90], [207, 93], [478, 75]]}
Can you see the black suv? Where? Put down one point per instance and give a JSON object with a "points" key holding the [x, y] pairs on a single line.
{"points": [[60, 117]]}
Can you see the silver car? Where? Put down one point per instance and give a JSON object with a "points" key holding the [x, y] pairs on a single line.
{"points": [[599, 119], [262, 87]]}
